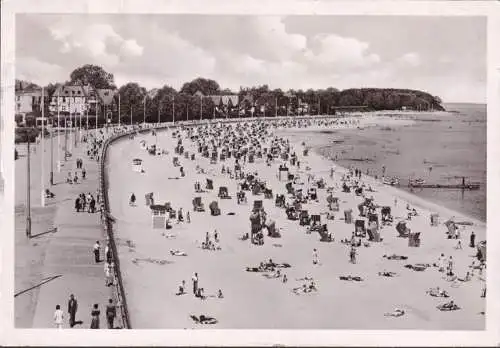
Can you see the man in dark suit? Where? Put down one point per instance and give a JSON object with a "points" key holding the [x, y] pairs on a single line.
{"points": [[72, 308]]}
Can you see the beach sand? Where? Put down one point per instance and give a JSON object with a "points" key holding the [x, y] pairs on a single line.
{"points": [[252, 301]]}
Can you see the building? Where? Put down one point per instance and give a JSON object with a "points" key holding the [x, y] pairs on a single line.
{"points": [[28, 100], [79, 99], [226, 101]]}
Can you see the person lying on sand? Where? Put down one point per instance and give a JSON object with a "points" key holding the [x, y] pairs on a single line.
{"points": [[304, 289], [449, 306], [395, 257], [305, 278], [420, 267], [182, 288], [387, 274], [276, 274], [202, 319], [351, 278], [437, 292], [177, 253], [261, 268], [398, 312], [467, 278]]}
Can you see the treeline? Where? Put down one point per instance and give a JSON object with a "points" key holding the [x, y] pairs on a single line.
{"points": [[192, 101]]}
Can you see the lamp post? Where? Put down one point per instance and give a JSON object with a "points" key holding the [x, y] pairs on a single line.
{"points": [[65, 138], [201, 106], [144, 111], [58, 137], [42, 138], [159, 105], [173, 109], [119, 109], [28, 191], [52, 155], [96, 115]]}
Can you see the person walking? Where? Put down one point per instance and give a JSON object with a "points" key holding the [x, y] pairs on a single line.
{"points": [[97, 251], [441, 262], [92, 205], [188, 217], [84, 173], [195, 283], [95, 313], [450, 266], [108, 254], [110, 314], [58, 317], [72, 308], [352, 255], [315, 257], [472, 243], [77, 204]]}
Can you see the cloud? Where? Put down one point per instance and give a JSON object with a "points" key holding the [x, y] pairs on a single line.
{"points": [[340, 53], [32, 69], [94, 40], [296, 52], [411, 59]]}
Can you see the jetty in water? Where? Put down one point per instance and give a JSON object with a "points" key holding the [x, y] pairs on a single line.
{"points": [[461, 186]]}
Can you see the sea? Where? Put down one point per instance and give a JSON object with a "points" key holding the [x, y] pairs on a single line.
{"points": [[439, 148]]}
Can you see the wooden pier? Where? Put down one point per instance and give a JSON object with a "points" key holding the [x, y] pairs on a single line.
{"points": [[461, 186]]}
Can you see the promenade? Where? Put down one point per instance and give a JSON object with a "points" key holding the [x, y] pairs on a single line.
{"points": [[59, 256]]}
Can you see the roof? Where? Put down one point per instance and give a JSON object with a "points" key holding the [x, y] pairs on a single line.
{"points": [[225, 99], [71, 91], [35, 92], [106, 95]]}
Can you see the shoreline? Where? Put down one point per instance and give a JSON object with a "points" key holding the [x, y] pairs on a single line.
{"points": [[146, 282]]}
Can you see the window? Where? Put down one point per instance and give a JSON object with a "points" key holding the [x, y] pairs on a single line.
{"points": [[73, 92], [64, 99], [18, 107]]}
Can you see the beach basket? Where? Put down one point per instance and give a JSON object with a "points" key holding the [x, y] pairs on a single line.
{"points": [[434, 219], [348, 216]]}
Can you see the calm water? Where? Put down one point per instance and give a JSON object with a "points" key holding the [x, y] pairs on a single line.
{"points": [[438, 149]]}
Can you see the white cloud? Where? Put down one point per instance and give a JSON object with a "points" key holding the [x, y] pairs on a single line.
{"points": [[341, 52], [131, 48], [95, 40], [412, 59], [271, 34], [43, 73]]}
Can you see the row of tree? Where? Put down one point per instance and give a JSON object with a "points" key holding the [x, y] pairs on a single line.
{"points": [[192, 101]]}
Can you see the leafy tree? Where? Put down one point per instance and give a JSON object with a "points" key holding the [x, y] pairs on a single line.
{"points": [[205, 86], [132, 101], [94, 75]]}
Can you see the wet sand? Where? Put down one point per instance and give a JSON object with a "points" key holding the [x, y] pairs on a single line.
{"points": [[250, 300]]}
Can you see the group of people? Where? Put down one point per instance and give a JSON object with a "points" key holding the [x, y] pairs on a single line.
{"points": [[198, 291], [59, 315], [85, 202]]}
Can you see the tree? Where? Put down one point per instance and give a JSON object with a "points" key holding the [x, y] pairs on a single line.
{"points": [[94, 75], [205, 86], [132, 100]]}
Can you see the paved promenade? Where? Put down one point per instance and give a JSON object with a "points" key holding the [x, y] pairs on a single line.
{"points": [[67, 256]]}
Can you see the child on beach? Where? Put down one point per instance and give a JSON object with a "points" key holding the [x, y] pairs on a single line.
{"points": [[315, 257], [352, 255]]}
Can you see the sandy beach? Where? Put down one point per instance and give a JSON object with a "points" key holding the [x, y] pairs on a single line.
{"points": [[251, 300]]}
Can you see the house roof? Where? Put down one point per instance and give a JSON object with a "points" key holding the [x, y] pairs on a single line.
{"points": [[224, 99], [106, 95], [71, 91]]}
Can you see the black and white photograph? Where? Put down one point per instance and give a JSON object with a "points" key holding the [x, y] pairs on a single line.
{"points": [[214, 171]]}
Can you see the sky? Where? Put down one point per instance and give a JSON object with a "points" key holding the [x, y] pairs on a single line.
{"points": [[445, 56]]}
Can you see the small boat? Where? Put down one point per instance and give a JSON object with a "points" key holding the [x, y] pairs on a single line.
{"points": [[416, 182], [391, 181]]}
